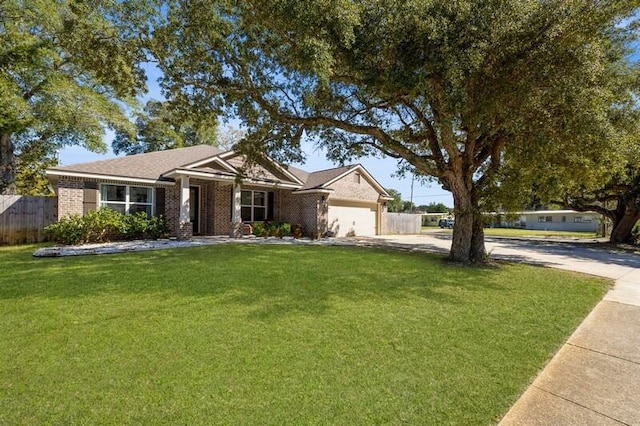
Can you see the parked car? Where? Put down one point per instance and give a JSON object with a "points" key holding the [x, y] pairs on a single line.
{"points": [[446, 223]]}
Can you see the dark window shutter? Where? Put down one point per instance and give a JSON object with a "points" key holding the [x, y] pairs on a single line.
{"points": [[89, 197], [159, 207], [270, 197]]}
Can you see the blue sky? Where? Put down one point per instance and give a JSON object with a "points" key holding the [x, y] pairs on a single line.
{"points": [[383, 169]]}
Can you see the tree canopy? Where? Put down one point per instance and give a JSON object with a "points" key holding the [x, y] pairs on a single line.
{"points": [[449, 87], [603, 176], [434, 207], [67, 71], [396, 205], [160, 127]]}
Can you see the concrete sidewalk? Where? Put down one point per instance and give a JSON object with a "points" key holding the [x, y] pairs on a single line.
{"points": [[595, 377]]}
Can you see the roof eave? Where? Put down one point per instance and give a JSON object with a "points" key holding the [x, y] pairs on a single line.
{"points": [[314, 190], [87, 175], [228, 178]]}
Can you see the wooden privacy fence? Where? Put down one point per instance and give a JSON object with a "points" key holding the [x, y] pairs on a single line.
{"points": [[404, 223], [23, 218]]}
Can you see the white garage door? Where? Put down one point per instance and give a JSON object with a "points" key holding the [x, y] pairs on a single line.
{"points": [[350, 221]]}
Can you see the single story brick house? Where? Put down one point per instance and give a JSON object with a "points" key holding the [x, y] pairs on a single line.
{"points": [[202, 190]]}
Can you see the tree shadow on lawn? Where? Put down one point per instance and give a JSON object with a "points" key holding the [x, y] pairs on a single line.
{"points": [[594, 251], [273, 280]]}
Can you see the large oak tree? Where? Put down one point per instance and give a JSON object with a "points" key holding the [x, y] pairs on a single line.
{"points": [[447, 86], [67, 70]]}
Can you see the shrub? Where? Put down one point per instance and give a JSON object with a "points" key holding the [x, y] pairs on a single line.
{"points": [[258, 229], [136, 226], [68, 231], [157, 228], [297, 231], [106, 225], [636, 233], [271, 229]]}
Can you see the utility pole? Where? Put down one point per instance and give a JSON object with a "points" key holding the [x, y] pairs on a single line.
{"points": [[413, 177]]}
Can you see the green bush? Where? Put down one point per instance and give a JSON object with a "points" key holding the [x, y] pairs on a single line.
{"points": [[258, 229], [135, 226], [636, 233], [157, 228], [69, 231], [106, 225], [271, 229]]}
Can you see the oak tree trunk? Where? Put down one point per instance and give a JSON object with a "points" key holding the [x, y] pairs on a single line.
{"points": [[477, 252], [622, 226], [7, 165], [467, 245]]}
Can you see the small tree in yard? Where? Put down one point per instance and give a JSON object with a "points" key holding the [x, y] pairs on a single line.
{"points": [[448, 87]]}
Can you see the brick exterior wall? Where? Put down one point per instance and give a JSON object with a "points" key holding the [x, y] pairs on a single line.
{"points": [[221, 213], [348, 188], [308, 213], [172, 208], [70, 197], [184, 231], [308, 210]]}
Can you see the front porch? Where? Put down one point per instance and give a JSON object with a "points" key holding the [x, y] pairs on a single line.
{"points": [[211, 207]]}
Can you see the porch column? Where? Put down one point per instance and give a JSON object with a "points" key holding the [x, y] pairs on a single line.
{"points": [[185, 230], [236, 214]]}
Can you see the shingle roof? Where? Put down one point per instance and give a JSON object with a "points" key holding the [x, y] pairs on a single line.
{"points": [[299, 173], [144, 166], [153, 165], [318, 179]]}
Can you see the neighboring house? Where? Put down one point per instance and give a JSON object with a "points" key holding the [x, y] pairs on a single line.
{"points": [[557, 220], [203, 191], [432, 219]]}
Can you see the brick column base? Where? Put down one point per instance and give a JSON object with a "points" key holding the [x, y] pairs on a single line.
{"points": [[185, 231], [235, 230]]}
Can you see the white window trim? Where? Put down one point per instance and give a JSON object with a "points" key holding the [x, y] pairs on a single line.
{"points": [[127, 201], [253, 206]]}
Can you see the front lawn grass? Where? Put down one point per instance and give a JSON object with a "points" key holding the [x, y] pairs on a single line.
{"points": [[284, 334]]}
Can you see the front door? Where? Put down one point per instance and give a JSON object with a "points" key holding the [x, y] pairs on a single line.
{"points": [[194, 208]]}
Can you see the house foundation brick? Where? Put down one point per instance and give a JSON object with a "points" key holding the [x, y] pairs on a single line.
{"points": [[235, 230], [184, 231]]}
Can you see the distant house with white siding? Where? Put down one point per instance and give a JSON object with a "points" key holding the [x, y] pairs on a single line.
{"points": [[560, 220]]}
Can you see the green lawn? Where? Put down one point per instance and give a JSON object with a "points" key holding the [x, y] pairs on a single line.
{"points": [[510, 232], [264, 334]]}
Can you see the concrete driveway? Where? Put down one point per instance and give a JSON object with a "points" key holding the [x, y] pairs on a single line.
{"points": [[595, 377]]}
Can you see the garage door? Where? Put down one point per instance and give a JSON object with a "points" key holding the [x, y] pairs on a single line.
{"points": [[349, 221]]}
